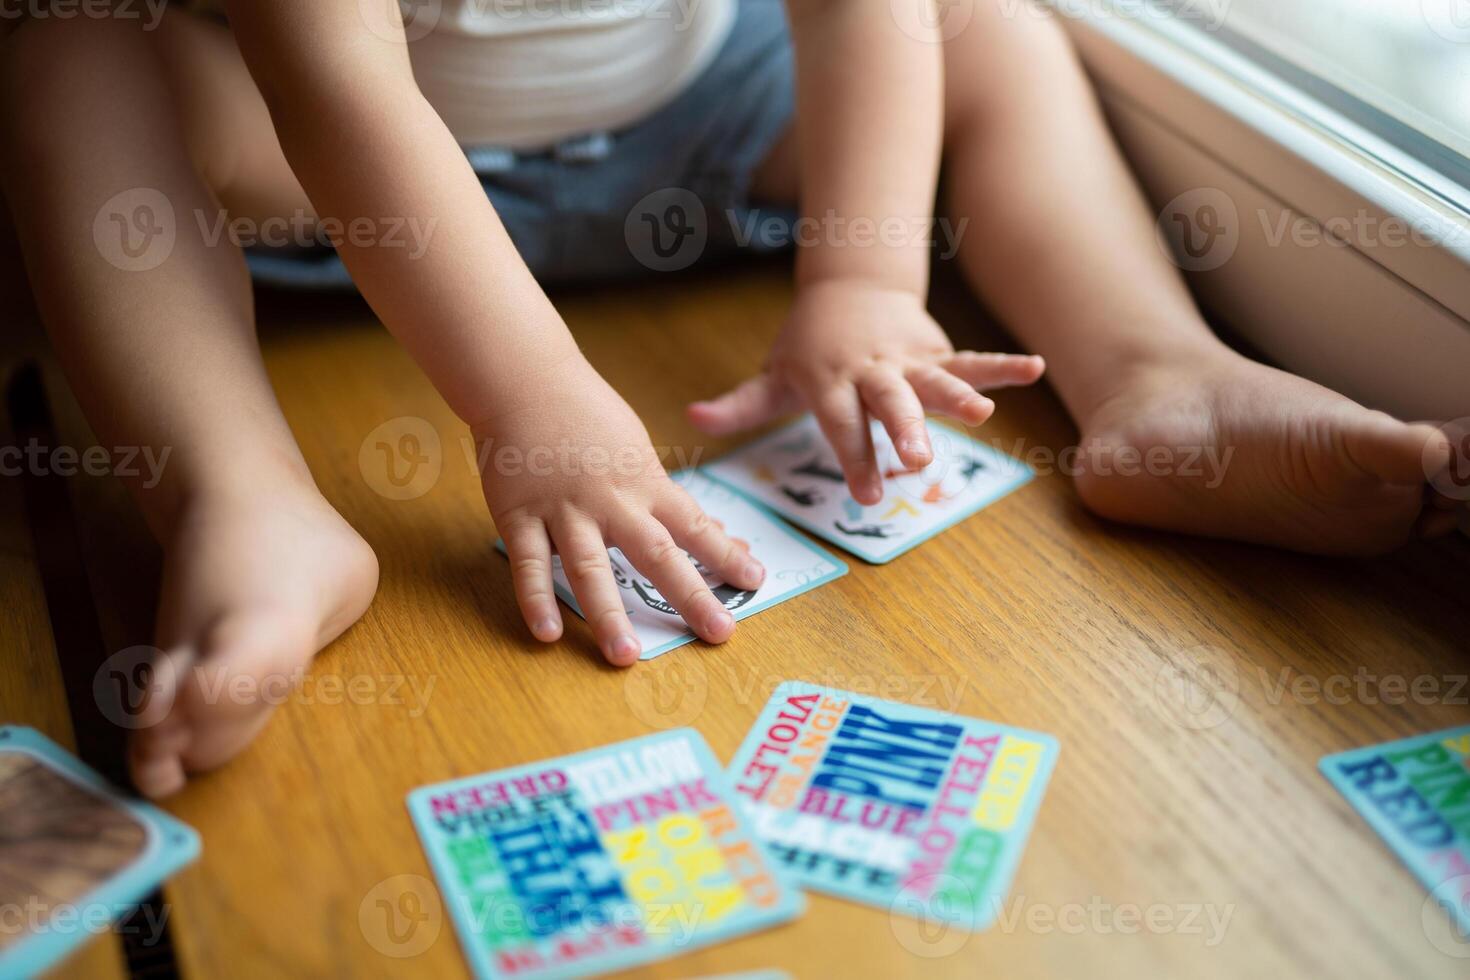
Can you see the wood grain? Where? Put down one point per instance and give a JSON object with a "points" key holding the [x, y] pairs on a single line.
{"points": [[1032, 613]]}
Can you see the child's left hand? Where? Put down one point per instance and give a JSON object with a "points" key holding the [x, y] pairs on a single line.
{"points": [[851, 349]]}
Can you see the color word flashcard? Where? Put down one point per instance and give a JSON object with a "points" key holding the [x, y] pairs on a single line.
{"points": [[905, 808], [1416, 794], [599, 861]]}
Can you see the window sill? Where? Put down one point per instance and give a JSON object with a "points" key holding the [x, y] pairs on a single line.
{"points": [[1345, 260]]}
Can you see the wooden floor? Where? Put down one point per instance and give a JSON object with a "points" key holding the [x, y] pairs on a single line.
{"points": [[1186, 832]]}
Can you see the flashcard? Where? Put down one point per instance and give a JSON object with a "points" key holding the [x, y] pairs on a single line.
{"points": [[793, 565], [75, 855], [1416, 794], [795, 472], [908, 809], [599, 861]]}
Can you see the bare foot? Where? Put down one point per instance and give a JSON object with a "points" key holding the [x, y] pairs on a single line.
{"points": [[1230, 448], [254, 585]]}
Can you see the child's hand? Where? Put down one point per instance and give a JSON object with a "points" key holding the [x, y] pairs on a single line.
{"points": [[573, 469], [853, 349]]}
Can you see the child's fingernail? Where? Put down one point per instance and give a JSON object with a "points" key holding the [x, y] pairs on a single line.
{"points": [[624, 647], [545, 629], [721, 621], [755, 571], [914, 447]]}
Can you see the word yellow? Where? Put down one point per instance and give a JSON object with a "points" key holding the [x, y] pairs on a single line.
{"points": [[1011, 773], [672, 868]]}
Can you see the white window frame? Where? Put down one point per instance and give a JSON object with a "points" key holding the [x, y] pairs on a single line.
{"points": [[1386, 323]]}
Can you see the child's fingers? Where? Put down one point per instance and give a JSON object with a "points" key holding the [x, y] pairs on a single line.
{"points": [[584, 559], [986, 371], [749, 404], [946, 394], [651, 549], [843, 421], [695, 531], [529, 550], [893, 402]]}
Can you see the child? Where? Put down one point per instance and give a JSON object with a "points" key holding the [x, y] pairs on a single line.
{"points": [[119, 131]]}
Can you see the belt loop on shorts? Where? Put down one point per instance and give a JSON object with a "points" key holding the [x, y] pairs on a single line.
{"points": [[584, 149], [490, 159]]}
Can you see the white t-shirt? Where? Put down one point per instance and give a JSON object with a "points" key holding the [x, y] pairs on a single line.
{"points": [[527, 74]]}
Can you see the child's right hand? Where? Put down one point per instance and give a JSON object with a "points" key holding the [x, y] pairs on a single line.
{"points": [[571, 468]]}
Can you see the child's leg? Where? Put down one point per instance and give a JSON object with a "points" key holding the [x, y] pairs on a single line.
{"points": [[260, 571], [1060, 242]]}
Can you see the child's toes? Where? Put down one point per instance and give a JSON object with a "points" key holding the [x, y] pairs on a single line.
{"points": [[155, 759], [1394, 451]]}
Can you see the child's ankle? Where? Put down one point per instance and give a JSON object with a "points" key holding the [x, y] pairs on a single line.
{"points": [[239, 482]]}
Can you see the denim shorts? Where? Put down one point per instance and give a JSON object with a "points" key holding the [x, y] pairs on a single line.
{"points": [[661, 195]]}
